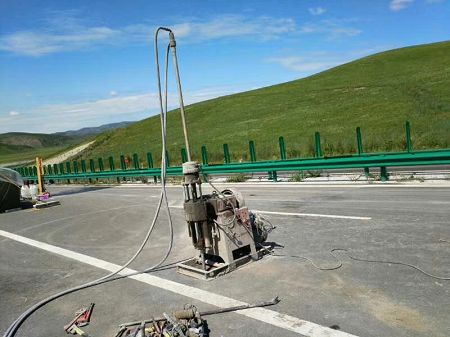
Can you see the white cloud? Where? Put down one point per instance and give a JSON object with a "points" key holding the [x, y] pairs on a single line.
{"points": [[397, 5], [317, 10], [331, 28], [61, 117], [14, 113], [313, 62], [68, 33], [303, 64], [113, 93]]}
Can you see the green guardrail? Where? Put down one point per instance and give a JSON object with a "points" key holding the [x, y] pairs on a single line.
{"points": [[132, 167]]}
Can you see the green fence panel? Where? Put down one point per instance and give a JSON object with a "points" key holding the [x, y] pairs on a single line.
{"points": [[55, 169], [61, 168], [49, 169], [68, 168]]}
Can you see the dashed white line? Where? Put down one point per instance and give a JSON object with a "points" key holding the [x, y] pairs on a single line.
{"points": [[290, 323]]}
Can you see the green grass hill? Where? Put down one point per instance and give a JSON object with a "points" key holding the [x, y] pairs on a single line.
{"points": [[22, 146], [378, 93]]}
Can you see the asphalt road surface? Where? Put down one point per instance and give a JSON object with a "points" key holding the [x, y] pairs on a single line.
{"points": [[403, 223]]}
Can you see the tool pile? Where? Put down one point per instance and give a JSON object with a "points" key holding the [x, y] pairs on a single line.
{"points": [[187, 322], [182, 323]]}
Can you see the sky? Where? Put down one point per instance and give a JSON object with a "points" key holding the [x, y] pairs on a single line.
{"points": [[65, 65]]}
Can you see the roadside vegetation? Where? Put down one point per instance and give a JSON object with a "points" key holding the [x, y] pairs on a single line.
{"points": [[377, 93]]}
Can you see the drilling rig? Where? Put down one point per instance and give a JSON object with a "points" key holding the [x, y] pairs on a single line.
{"points": [[224, 232]]}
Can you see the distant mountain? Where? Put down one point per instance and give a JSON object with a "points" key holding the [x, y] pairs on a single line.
{"points": [[20, 146], [93, 130]]}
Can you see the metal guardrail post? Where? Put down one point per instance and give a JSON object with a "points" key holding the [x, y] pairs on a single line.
{"points": [[226, 154], [383, 174], [251, 146], [359, 141], [123, 166], [68, 167], [112, 165], [204, 155], [167, 159], [83, 166], [136, 161], [149, 160], [409, 146], [68, 170], [92, 168], [318, 146], [282, 148], [183, 155], [101, 167], [150, 165]]}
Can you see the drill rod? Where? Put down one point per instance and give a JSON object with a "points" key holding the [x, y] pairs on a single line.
{"points": [[274, 301]]}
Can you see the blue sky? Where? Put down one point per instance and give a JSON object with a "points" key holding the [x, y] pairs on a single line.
{"points": [[70, 64]]}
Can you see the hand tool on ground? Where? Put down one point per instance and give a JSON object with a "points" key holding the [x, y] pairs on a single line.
{"points": [[190, 313], [82, 318]]}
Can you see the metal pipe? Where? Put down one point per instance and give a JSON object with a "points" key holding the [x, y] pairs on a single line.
{"points": [[180, 93]]}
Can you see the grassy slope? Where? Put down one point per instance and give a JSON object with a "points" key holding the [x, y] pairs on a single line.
{"points": [[377, 93]]}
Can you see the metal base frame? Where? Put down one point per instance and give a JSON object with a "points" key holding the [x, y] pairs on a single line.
{"points": [[193, 269]]}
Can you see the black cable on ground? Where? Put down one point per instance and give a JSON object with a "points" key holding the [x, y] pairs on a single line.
{"points": [[13, 328], [339, 264]]}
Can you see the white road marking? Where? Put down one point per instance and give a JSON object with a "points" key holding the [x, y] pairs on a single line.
{"points": [[291, 323], [332, 216], [317, 215]]}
